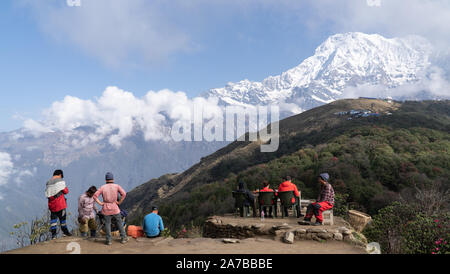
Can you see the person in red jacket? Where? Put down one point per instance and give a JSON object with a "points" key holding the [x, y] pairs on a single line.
{"points": [[289, 186], [267, 188], [55, 190]]}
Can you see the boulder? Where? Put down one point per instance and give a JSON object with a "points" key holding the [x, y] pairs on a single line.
{"points": [[289, 237], [316, 230], [338, 236], [325, 236], [373, 248], [230, 241]]}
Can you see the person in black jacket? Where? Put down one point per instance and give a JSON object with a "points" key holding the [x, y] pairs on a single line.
{"points": [[249, 197]]}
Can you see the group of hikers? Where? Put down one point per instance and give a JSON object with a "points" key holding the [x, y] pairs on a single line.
{"points": [[325, 200], [112, 195]]}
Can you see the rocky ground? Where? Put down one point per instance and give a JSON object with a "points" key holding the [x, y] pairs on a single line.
{"points": [[257, 245], [268, 236]]}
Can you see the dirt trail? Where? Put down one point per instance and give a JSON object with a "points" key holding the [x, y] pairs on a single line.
{"points": [[188, 246]]}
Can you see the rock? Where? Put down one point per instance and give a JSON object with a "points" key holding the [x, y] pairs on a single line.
{"points": [[300, 231], [349, 238], [230, 241], [338, 236], [325, 236], [316, 230], [258, 226], [373, 248], [344, 231], [289, 237], [283, 226]]}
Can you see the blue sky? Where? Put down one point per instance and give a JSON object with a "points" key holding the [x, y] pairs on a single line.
{"points": [[50, 50]]}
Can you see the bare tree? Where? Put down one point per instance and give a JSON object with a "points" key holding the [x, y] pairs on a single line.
{"points": [[431, 199]]}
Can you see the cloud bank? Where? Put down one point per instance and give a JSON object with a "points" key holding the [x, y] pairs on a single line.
{"points": [[433, 83], [6, 167], [117, 113]]}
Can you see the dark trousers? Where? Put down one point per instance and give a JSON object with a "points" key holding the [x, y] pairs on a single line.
{"points": [[151, 237], [54, 217], [297, 207], [119, 224]]}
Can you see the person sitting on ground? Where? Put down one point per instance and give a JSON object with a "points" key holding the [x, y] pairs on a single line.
{"points": [[86, 212], [153, 224], [267, 188], [249, 197], [325, 201], [289, 186]]}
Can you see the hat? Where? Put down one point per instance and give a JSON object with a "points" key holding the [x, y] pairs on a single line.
{"points": [[109, 176], [325, 176], [154, 208]]}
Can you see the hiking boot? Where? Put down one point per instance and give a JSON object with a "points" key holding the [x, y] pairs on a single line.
{"points": [[124, 240], [66, 232], [304, 223], [54, 237], [317, 223], [108, 242]]}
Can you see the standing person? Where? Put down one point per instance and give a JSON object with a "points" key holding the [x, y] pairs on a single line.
{"points": [[86, 212], [110, 205], [289, 186], [325, 201], [55, 190], [153, 224]]}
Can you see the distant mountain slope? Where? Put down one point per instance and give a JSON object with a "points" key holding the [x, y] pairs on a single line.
{"points": [[415, 134]]}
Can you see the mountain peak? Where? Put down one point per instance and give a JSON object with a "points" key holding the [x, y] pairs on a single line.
{"points": [[342, 60]]}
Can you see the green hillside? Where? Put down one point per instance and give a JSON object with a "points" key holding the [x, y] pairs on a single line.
{"points": [[370, 160]]}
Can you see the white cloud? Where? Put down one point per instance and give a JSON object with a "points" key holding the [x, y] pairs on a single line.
{"points": [[117, 113], [428, 18], [6, 167], [434, 82]]}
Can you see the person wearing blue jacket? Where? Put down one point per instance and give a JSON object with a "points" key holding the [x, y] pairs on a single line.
{"points": [[153, 224]]}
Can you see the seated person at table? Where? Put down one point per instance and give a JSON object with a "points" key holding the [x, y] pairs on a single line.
{"points": [[153, 224], [267, 188], [249, 198], [289, 186]]}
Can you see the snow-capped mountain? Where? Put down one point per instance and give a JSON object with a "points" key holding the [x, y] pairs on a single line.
{"points": [[342, 61]]}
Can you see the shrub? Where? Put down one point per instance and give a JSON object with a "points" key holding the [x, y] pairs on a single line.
{"points": [[388, 225], [427, 234]]}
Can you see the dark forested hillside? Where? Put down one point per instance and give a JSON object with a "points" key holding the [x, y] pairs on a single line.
{"points": [[370, 160]]}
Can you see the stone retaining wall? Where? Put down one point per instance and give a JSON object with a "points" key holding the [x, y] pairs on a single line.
{"points": [[214, 227]]}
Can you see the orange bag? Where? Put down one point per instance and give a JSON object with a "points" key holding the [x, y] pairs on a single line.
{"points": [[135, 231]]}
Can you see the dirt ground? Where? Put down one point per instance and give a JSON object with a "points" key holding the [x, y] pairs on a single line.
{"points": [[259, 245]]}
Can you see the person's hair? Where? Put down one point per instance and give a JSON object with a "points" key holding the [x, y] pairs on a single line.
{"points": [[92, 190], [58, 172], [288, 178], [265, 183], [154, 208]]}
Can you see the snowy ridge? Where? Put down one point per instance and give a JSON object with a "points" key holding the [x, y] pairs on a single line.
{"points": [[341, 61]]}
